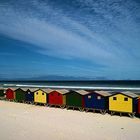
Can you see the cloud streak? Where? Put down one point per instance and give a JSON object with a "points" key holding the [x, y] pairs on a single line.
{"points": [[103, 32]]}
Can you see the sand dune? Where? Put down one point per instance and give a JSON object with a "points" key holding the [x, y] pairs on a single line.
{"points": [[22, 121]]}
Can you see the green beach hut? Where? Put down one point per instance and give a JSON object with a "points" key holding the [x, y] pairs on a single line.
{"points": [[2, 94], [75, 99], [20, 95]]}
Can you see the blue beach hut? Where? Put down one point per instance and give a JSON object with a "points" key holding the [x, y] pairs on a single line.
{"points": [[29, 95], [96, 100]]}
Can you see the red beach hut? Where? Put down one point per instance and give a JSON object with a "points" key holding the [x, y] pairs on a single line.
{"points": [[57, 97], [10, 94]]}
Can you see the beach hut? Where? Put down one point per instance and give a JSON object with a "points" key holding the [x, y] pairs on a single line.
{"points": [[139, 105], [19, 95], [75, 99], [29, 95], [57, 97], [10, 94], [123, 102], [2, 94], [40, 96], [96, 100]]}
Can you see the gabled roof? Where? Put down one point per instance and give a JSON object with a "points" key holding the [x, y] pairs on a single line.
{"points": [[33, 89], [25, 89], [82, 92], [103, 93], [19, 89], [43, 90], [131, 94], [48, 90], [12, 88], [127, 93], [63, 91]]}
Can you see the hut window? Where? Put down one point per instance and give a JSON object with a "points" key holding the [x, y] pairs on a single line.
{"points": [[98, 97], [58, 94], [42, 93], [89, 97], [28, 92], [125, 99], [114, 98], [37, 93]]}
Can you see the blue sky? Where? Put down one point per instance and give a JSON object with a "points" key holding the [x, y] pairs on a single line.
{"points": [[93, 39]]}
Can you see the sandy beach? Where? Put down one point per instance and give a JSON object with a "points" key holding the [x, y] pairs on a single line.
{"points": [[21, 121]]}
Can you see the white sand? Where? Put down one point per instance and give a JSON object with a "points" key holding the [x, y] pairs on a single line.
{"points": [[29, 122]]}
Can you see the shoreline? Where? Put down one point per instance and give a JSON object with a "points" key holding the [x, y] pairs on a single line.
{"points": [[106, 88]]}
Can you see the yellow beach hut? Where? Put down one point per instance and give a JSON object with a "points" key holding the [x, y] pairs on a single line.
{"points": [[40, 96], [123, 102]]}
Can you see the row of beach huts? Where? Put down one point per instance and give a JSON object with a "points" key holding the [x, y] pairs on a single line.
{"points": [[83, 100]]}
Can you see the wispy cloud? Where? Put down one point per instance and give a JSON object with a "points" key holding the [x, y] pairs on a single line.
{"points": [[106, 32], [7, 54]]}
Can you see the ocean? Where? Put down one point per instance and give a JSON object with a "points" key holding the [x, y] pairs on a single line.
{"points": [[111, 85]]}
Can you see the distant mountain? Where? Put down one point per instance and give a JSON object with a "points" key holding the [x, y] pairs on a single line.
{"points": [[55, 77]]}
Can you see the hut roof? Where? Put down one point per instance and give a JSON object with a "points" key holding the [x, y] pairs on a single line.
{"points": [[63, 91], [43, 90], [33, 89], [82, 92], [127, 93], [19, 89], [103, 93], [25, 89], [130, 94], [48, 90], [12, 88]]}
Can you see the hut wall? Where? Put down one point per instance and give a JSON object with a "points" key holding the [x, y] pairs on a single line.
{"points": [[139, 106], [2, 93], [55, 98], [40, 97], [135, 105], [74, 99], [95, 101], [20, 95], [10, 94], [29, 96], [64, 99], [120, 104]]}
